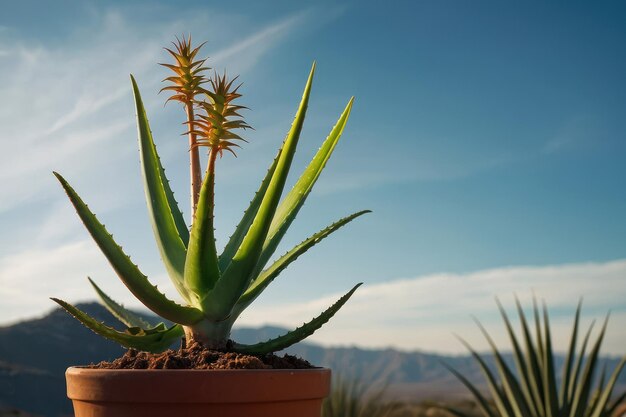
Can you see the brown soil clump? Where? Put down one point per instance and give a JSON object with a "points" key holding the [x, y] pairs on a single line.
{"points": [[198, 357]]}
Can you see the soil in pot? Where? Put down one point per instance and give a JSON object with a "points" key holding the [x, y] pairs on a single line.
{"points": [[198, 357]]}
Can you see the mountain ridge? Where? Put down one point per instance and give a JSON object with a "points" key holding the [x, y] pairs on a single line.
{"points": [[35, 353]]}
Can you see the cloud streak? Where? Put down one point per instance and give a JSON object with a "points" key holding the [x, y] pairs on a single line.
{"points": [[424, 312], [78, 109], [28, 278], [255, 45]]}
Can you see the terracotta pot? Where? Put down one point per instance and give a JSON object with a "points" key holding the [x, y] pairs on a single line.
{"points": [[195, 393]]}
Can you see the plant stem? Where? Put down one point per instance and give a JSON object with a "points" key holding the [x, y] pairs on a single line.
{"points": [[194, 161], [210, 172], [212, 335]]}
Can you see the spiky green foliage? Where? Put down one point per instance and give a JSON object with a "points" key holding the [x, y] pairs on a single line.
{"points": [[215, 287], [533, 389], [355, 399]]}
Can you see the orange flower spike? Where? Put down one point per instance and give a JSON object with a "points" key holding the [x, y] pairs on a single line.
{"points": [[185, 85], [215, 127]]}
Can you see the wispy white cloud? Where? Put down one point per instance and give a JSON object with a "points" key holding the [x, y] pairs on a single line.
{"points": [[62, 114], [396, 167], [424, 312], [74, 115], [250, 49], [30, 277], [87, 105], [578, 132]]}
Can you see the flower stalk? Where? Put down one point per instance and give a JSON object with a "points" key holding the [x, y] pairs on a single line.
{"points": [[186, 85], [194, 162]]}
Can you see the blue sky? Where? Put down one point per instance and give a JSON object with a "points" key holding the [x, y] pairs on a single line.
{"points": [[488, 138]]}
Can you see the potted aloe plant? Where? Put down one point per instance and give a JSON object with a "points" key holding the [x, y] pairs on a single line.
{"points": [[215, 286]]}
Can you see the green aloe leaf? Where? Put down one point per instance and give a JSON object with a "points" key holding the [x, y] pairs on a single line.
{"points": [[541, 397], [293, 201], [540, 345], [601, 406], [583, 388], [128, 272], [267, 276], [244, 224], [532, 362], [574, 377], [124, 315], [597, 393], [511, 387], [518, 357], [569, 363], [235, 278], [499, 398], [549, 377], [201, 267], [170, 230], [155, 339], [482, 401], [295, 336]]}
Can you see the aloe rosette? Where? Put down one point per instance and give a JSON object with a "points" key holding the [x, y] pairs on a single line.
{"points": [[533, 388], [216, 287]]}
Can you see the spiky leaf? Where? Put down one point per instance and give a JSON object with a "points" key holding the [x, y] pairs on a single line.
{"points": [[293, 201], [235, 279], [128, 272], [510, 385], [267, 276], [297, 335], [583, 389], [201, 267], [155, 339], [244, 224], [535, 385], [532, 359], [127, 317], [569, 363], [168, 225], [522, 369], [498, 396], [480, 399]]}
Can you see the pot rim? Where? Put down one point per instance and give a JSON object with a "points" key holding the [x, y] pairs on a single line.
{"points": [[195, 386], [86, 368]]}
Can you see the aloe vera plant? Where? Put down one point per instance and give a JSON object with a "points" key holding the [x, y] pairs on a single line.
{"points": [[215, 286], [533, 389]]}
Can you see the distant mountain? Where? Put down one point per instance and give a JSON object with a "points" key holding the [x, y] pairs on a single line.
{"points": [[35, 353]]}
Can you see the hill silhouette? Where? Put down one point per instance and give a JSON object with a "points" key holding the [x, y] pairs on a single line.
{"points": [[35, 353]]}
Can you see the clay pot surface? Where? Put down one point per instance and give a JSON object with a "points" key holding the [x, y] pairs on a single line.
{"points": [[197, 393]]}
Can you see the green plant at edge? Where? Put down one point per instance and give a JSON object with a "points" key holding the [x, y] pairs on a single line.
{"points": [[354, 399], [533, 391], [216, 287]]}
